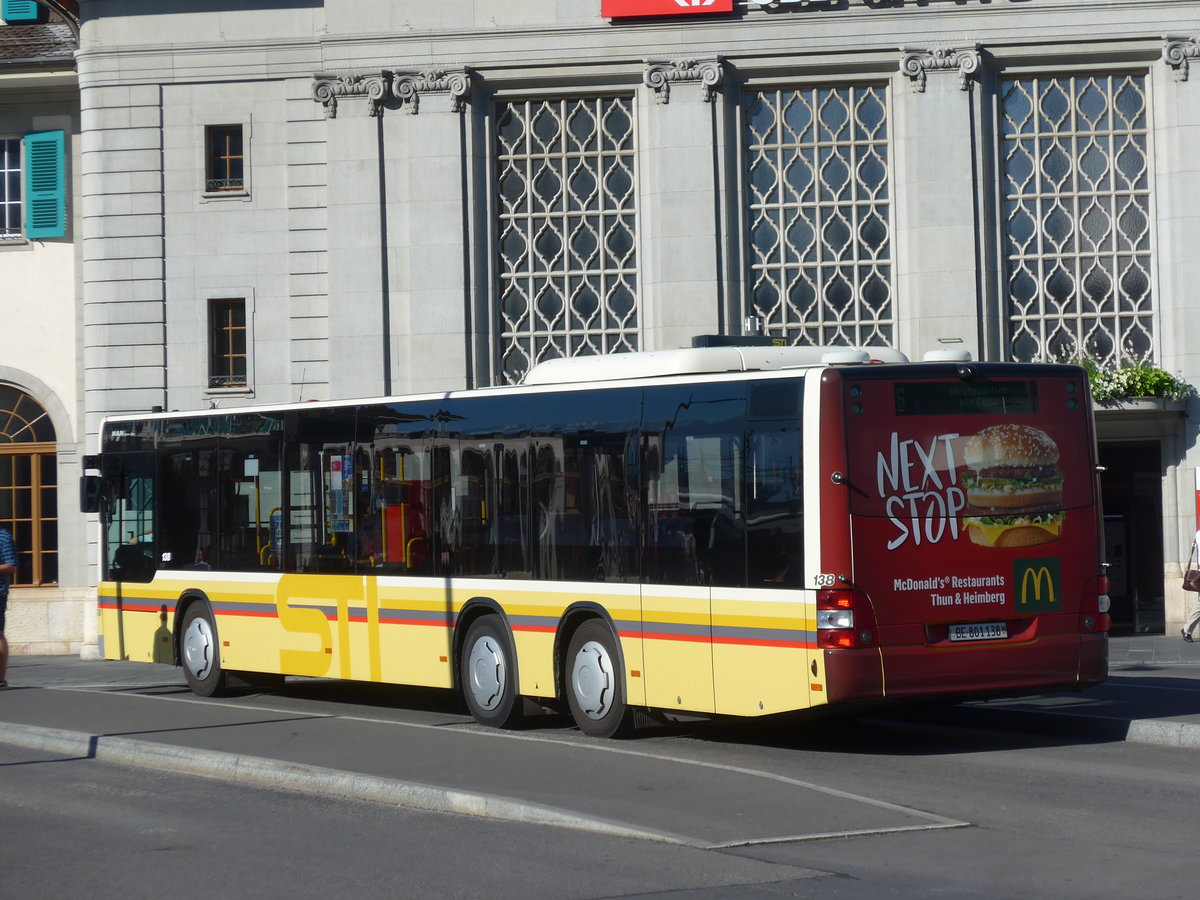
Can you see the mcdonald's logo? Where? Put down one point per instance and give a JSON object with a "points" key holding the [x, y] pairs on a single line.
{"points": [[1039, 585]]}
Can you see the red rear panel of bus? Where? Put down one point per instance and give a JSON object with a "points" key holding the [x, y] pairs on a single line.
{"points": [[957, 612]]}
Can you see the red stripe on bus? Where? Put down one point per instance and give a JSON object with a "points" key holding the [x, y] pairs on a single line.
{"points": [[429, 623], [248, 613], [662, 636], [751, 642], [127, 607], [745, 642]]}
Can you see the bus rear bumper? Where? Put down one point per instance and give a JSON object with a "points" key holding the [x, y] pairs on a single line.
{"points": [[913, 672]]}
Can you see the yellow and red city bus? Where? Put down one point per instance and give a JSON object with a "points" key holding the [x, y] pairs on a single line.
{"points": [[723, 530]]}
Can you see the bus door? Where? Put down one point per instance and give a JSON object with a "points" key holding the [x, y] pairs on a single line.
{"points": [[762, 632], [695, 533], [973, 521], [129, 516], [129, 496]]}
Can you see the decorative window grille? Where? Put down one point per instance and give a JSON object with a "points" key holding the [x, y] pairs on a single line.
{"points": [[225, 159], [567, 266], [10, 189], [227, 344], [818, 215], [1077, 239], [29, 486]]}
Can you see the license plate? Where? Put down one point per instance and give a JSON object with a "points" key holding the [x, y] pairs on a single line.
{"points": [[984, 631]]}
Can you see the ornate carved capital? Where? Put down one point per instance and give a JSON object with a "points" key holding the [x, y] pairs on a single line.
{"points": [[1178, 53], [407, 87], [917, 64], [660, 74], [328, 89]]}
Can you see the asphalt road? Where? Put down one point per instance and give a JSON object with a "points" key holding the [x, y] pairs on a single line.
{"points": [[847, 808]]}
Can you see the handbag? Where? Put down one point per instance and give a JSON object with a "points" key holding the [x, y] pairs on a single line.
{"points": [[1191, 575]]}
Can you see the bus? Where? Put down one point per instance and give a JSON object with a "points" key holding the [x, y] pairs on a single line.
{"points": [[713, 531]]}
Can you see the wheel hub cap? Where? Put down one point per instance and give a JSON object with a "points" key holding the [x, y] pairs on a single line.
{"points": [[592, 680], [488, 672], [198, 648]]}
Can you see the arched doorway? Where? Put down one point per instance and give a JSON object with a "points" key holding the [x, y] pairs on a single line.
{"points": [[29, 485]]}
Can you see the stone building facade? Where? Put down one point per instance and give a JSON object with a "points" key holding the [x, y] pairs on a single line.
{"points": [[318, 200], [41, 377]]}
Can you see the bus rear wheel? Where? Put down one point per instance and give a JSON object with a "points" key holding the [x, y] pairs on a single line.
{"points": [[595, 688], [200, 653], [488, 674]]}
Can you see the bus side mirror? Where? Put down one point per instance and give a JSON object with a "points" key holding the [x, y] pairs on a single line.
{"points": [[89, 493]]}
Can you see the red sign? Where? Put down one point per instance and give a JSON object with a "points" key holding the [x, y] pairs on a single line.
{"points": [[618, 9]]}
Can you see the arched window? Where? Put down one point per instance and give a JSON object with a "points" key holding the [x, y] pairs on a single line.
{"points": [[29, 485]]}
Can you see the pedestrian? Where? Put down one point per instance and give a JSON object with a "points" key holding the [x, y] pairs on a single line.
{"points": [[1193, 614], [8, 568]]}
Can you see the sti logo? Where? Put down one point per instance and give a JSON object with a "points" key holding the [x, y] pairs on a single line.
{"points": [[1038, 585], [620, 9]]}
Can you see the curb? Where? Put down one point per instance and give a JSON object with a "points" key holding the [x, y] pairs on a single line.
{"points": [[314, 780], [1165, 734]]}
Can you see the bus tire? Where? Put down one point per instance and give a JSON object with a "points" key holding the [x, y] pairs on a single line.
{"points": [[488, 674], [200, 653], [595, 687]]}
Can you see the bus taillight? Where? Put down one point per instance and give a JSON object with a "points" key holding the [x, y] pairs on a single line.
{"points": [[844, 620], [1094, 615]]}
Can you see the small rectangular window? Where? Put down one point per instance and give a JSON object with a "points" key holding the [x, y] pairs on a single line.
{"points": [[225, 158], [10, 189], [227, 344]]}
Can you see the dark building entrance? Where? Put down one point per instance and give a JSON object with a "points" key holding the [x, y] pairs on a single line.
{"points": [[1131, 485]]}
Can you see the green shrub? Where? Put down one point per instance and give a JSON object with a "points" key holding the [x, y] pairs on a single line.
{"points": [[1127, 382]]}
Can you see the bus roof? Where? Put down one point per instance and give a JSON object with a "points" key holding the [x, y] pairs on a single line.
{"points": [[701, 360], [589, 370]]}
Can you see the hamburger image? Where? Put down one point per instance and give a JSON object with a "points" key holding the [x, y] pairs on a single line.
{"points": [[1013, 487]]}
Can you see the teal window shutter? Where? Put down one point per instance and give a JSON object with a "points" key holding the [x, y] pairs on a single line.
{"points": [[21, 11], [45, 185]]}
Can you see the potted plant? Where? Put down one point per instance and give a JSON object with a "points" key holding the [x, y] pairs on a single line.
{"points": [[1117, 386]]}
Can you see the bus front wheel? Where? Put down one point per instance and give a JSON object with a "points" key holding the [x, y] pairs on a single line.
{"points": [[200, 653], [595, 689], [488, 674]]}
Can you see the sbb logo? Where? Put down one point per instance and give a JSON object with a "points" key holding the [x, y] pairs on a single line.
{"points": [[619, 9]]}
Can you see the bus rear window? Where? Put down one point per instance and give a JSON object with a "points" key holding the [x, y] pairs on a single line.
{"points": [[934, 398]]}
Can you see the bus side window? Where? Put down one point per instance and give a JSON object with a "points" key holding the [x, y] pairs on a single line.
{"points": [[693, 465], [302, 525], [584, 491], [337, 546], [392, 506], [250, 498], [400, 510], [775, 506], [186, 541]]}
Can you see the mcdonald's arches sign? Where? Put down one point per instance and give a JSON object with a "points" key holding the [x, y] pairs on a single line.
{"points": [[622, 9], [1038, 585]]}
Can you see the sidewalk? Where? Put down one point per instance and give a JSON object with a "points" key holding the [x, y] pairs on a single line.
{"points": [[1153, 649], [347, 740], [1152, 696]]}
